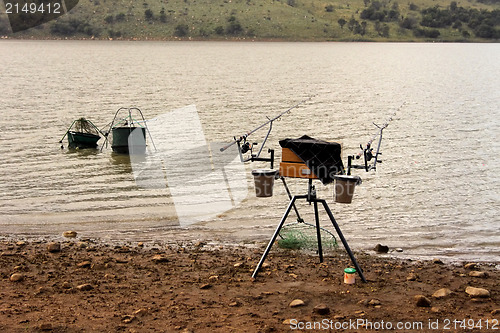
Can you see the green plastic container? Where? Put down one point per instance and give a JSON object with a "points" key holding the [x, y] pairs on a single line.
{"points": [[349, 275]]}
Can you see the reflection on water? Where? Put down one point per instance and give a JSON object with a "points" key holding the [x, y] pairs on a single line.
{"points": [[121, 161], [436, 192], [77, 152]]}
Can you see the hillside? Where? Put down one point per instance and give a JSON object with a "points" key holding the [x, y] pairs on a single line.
{"points": [[295, 20]]}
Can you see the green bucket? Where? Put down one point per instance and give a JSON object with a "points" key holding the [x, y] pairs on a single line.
{"points": [[121, 143]]}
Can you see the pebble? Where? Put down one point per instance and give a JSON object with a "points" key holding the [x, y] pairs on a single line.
{"points": [[43, 290], [471, 265], [412, 277], [200, 244], [495, 312], [141, 312], [477, 300], [85, 287], [477, 292], [127, 319], [364, 302], [69, 234], [478, 274], [82, 245], [84, 264], [422, 301], [67, 285], [379, 248], [16, 277], [296, 303], [442, 293], [359, 313], [374, 302], [438, 261], [206, 286], [158, 258], [122, 249], [53, 247], [321, 309]]}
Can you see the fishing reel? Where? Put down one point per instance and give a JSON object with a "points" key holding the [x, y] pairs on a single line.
{"points": [[366, 152], [243, 145], [246, 146]]}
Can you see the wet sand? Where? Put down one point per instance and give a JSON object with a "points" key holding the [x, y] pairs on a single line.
{"points": [[93, 286]]}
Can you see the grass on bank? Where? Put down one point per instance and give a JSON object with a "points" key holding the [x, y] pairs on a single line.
{"points": [[250, 19]]}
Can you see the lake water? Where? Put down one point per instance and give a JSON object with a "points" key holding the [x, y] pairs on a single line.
{"points": [[435, 194]]}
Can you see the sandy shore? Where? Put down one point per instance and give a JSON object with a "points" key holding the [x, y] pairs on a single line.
{"points": [[83, 285]]}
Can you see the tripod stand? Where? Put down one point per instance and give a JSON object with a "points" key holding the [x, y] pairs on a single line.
{"points": [[310, 197]]}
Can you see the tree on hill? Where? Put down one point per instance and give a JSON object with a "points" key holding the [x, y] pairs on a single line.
{"points": [[148, 14], [378, 12], [163, 16], [341, 22], [483, 22], [181, 30], [233, 27]]}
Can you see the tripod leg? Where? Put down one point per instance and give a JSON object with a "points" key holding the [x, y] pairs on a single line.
{"points": [[344, 242], [318, 231], [273, 239], [299, 219]]}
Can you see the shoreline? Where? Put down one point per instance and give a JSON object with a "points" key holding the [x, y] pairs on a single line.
{"points": [[249, 40], [216, 233], [81, 284]]}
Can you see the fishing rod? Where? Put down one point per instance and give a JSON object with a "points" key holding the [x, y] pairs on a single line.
{"points": [[244, 146], [367, 152]]}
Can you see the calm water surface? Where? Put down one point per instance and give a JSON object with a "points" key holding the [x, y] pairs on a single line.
{"points": [[435, 194]]}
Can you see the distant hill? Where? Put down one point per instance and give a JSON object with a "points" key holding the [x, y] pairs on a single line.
{"points": [[293, 20]]}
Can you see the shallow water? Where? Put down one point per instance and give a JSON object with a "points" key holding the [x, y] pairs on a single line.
{"points": [[435, 194]]}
